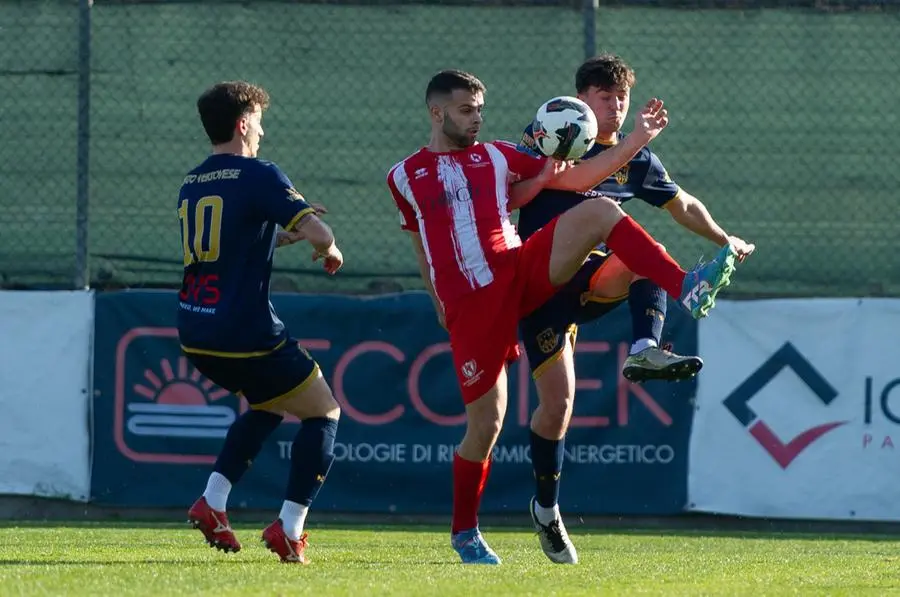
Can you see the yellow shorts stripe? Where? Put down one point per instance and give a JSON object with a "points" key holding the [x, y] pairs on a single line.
{"points": [[232, 355], [313, 375]]}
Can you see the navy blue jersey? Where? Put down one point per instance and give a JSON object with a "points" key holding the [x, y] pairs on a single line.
{"points": [[230, 207], [643, 177]]}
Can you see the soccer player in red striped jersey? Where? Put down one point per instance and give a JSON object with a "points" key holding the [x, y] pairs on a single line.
{"points": [[454, 199]]}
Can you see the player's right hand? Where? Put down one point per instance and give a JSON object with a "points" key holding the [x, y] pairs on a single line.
{"points": [[651, 120], [741, 247], [333, 259]]}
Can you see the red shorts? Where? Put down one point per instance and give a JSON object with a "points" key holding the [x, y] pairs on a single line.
{"points": [[483, 324]]}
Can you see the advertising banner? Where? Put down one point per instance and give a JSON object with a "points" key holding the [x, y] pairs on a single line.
{"points": [[159, 423], [798, 413]]}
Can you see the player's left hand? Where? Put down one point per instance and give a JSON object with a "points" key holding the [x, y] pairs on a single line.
{"points": [[741, 247], [652, 119], [333, 259], [551, 169]]}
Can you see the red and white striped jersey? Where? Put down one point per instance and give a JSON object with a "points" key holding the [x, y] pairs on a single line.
{"points": [[459, 203]]}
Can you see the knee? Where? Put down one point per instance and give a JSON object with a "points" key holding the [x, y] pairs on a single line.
{"points": [[603, 213], [556, 412], [486, 430]]}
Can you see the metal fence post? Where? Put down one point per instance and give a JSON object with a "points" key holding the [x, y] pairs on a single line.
{"points": [[82, 276], [590, 27]]}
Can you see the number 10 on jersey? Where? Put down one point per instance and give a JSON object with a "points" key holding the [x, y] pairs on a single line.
{"points": [[201, 231]]}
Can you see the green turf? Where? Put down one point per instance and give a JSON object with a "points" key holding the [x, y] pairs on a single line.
{"points": [[167, 560], [781, 122]]}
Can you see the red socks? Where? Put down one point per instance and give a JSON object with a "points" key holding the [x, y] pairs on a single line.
{"points": [[469, 480], [644, 256]]}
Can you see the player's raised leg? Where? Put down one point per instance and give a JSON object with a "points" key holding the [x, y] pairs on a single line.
{"points": [[598, 220], [647, 358], [555, 381], [312, 454]]}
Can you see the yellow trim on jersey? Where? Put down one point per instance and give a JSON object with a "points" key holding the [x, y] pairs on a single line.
{"points": [[605, 299], [674, 197], [571, 333], [232, 355], [298, 217], [314, 374], [615, 141]]}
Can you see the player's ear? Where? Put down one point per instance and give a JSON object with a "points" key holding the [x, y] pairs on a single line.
{"points": [[242, 126], [436, 111]]}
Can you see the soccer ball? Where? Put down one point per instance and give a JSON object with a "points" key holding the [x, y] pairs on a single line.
{"points": [[564, 128]]}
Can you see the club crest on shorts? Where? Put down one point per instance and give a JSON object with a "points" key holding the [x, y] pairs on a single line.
{"points": [[468, 369], [547, 341]]}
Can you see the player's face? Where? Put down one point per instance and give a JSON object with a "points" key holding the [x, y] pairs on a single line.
{"points": [[461, 117], [252, 131], [610, 106]]}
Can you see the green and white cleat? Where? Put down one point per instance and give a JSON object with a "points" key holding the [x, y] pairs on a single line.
{"points": [[705, 280]]}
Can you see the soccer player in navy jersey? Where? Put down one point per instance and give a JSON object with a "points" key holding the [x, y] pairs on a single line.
{"points": [[231, 207], [603, 282]]}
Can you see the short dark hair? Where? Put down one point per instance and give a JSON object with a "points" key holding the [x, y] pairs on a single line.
{"points": [[606, 72], [447, 80], [223, 104]]}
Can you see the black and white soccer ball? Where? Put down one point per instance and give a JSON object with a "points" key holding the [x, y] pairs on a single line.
{"points": [[564, 128]]}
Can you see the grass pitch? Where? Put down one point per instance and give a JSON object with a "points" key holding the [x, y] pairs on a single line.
{"points": [[167, 559]]}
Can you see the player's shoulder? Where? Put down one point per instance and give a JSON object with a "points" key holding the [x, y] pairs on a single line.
{"points": [[267, 172], [264, 167], [644, 155], [646, 158], [413, 160], [503, 145], [511, 150]]}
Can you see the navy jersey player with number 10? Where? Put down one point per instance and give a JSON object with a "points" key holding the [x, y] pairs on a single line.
{"points": [[231, 208]]}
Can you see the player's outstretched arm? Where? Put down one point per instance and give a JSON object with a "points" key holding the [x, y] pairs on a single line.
{"points": [[426, 277], [692, 214], [649, 123]]}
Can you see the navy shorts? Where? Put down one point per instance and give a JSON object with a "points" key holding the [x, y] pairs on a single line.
{"points": [[262, 380], [546, 330]]}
